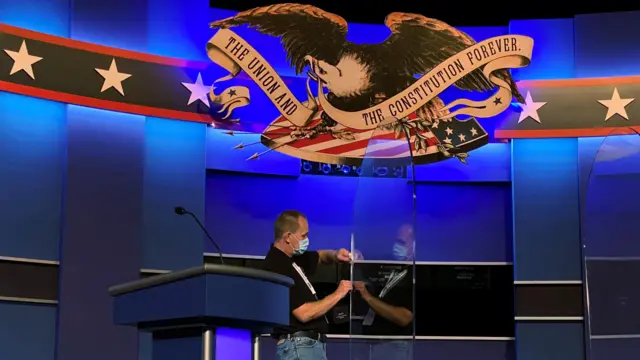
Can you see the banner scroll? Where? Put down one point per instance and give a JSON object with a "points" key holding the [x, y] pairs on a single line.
{"points": [[234, 54]]}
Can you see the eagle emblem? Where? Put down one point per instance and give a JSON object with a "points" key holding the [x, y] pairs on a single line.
{"points": [[375, 92]]}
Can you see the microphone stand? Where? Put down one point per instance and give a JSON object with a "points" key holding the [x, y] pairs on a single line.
{"points": [[208, 235]]}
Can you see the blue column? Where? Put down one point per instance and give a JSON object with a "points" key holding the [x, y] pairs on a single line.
{"points": [[32, 137], [175, 166], [546, 220], [102, 241], [175, 152]]}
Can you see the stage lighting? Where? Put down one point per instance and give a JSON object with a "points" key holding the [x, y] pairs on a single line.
{"points": [[316, 168], [307, 166], [381, 171]]}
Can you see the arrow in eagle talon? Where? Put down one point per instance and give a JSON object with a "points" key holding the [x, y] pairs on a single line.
{"points": [[257, 155], [242, 145]]}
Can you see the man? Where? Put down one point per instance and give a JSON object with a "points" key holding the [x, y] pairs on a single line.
{"points": [[390, 312], [305, 337]]}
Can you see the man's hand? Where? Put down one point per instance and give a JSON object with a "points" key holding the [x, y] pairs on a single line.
{"points": [[343, 255], [361, 287], [343, 288]]}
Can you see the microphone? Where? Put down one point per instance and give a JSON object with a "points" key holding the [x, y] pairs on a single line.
{"points": [[182, 211]]}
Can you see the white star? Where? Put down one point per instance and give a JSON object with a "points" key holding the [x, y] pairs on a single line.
{"points": [[616, 105], [530, 109], [113, 78], [462, 137], [198, 91], [435, 125], [474, 132], [449, 131], [447, 140], [22, 60]]}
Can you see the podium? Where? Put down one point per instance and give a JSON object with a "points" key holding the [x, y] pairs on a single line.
{"points": [[204, 313]]}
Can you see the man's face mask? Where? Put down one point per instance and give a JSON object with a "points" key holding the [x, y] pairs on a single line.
{"points": [[303, 245]]}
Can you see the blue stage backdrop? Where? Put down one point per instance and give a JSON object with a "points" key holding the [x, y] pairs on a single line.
{"points": [[60, 210]]}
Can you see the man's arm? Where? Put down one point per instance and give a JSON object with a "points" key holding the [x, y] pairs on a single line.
{"points": [[334, 256], [398, 315], [313, 310], [327, 256]]}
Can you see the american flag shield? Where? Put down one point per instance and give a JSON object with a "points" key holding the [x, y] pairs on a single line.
{"points": [[412, 139]]}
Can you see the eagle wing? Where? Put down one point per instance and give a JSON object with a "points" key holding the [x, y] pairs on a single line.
{"points": [[303, 30], [418, 44]]}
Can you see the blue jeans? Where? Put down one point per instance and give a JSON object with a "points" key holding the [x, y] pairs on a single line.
{"points": [[301, 348]]}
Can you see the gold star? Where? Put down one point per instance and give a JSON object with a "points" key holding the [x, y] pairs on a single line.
{"points": [[22, 60], [113, 78], [616, 105]]}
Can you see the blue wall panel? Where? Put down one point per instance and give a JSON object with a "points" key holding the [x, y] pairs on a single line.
{"points": [[118, 23], [241, 209], [32, 140], [546, 209], [464, 222], [179, 29], [373, 208], [27, 331], [550, 341], [103, 228], [552, 50], [490, 163], [607, 44], [50, 16], [174, 175]]}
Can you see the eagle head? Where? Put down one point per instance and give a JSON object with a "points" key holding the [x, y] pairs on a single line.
{"points": [[349, 77]]}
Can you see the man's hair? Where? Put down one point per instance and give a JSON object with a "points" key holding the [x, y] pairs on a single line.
{"points": [[287, 221]]}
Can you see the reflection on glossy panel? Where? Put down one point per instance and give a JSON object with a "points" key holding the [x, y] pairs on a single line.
{"points": [[382, 302], [612, 248]]}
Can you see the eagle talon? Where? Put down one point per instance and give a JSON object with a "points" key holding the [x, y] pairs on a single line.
{"points": [[327, 120]]}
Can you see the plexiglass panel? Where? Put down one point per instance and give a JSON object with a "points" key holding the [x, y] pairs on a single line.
{"points": [[611, 209], [383, 242]]}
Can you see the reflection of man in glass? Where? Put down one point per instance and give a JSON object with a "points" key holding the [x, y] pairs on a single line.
{"points": [[390, 310]]}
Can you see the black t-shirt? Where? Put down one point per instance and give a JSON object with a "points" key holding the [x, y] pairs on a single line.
{"points": [[299, 294], [400, 295]]}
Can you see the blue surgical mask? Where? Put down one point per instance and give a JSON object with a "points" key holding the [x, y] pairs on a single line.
{"points": [[399, 251], [303, 245]]}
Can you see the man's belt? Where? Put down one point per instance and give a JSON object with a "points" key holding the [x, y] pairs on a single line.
{"points": [[305, 334]]}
